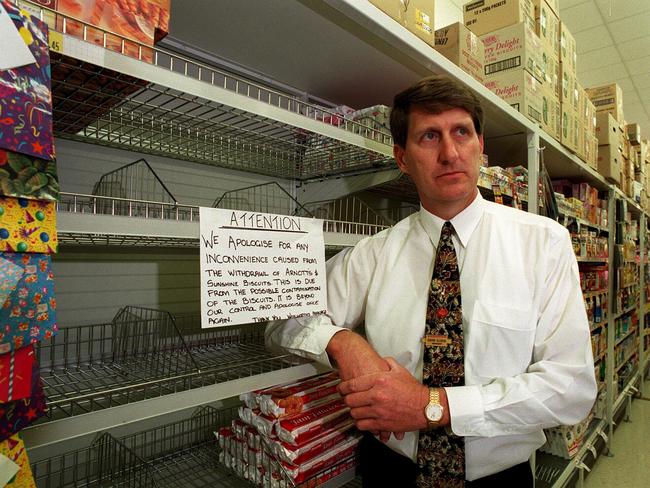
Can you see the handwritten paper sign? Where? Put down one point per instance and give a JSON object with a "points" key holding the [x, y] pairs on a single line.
{"points": [[257, 267]]}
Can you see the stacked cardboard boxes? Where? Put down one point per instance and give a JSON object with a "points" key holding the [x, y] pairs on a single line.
{"points": [[610, 154], [485, 16], [415, 15], [547, 27], [462, 47], [513, 68]]}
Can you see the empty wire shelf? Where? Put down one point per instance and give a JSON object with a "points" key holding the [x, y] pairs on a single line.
{"points": [[192, 111], [81, 222], [145, 353]]}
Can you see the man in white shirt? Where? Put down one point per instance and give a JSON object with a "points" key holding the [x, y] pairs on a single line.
{"points": [[528, 363]]}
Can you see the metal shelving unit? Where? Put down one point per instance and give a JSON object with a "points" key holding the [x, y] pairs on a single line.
{"points": [[174, 106]]}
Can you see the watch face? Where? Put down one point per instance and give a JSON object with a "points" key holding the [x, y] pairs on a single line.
{"points": [[433, 412]]}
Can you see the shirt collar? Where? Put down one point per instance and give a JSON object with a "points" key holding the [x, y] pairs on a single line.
{"points": [[464, 223]]}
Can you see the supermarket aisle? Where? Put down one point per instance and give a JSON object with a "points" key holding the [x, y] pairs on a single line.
{"points": [[630, 466]]}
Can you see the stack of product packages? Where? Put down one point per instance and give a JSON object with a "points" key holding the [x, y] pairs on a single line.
{"points": [[28, 190], [294, 434]]}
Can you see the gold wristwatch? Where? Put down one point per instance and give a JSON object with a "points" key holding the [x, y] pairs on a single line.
{"points": [[434, 410]]}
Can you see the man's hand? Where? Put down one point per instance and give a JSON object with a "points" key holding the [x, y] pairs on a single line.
{"points": [[390, 401], [354, 356]]}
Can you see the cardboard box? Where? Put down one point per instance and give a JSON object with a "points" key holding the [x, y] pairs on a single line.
{"points": [[483, 16], [415, 15], [512, 48], [641, 150], [607, 132], [591, 151], [568, 49], [609, 163], [547, 25], [633, 133], [569, 93], [569, 128], [554, 5], [607, 98], [551, 113], [463, 48], [520, 89], [551, 70]]}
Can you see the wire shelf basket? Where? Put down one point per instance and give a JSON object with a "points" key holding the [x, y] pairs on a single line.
{"points": [[145, 353], [134, 181], [267, 198], [182, 453]]}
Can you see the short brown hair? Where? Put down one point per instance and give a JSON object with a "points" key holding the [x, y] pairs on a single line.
{"points": [[434, 94]]}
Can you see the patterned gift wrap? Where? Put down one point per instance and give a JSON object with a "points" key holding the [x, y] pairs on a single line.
{"points": [[28, 314], [27, 225], [17, 415], [13, 448], [25, 176], [25, 96], [16, 374], [11, 274]]}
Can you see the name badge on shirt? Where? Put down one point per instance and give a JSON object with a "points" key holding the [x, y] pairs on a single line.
{"points": [[432, 340]]}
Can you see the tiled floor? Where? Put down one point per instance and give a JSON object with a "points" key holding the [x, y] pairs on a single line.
{"points": [[630, 466]]}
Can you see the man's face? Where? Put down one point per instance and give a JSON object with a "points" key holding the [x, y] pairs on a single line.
{"points": [[442, 156]]}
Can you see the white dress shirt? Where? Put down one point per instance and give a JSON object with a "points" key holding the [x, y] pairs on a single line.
{"points": [[528, 358]]}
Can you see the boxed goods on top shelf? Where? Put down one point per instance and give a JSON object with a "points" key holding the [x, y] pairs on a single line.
{"points": [[463, 48], [547, 24], [490, 15], [608, 98], [415, 15]]}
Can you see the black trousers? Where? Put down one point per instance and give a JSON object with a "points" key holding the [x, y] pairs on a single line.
{"points": [[383, 467]]}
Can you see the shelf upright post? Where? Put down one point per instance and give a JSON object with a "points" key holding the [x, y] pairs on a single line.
{"points": [[532, 143], [643, 255], [609, 358]]}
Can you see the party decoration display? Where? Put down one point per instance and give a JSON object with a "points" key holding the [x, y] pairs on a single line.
{"points": [[15, 416], [25, 95], [27, 177], [14, 449], [16, 374], [27, 225], [28, 315]]}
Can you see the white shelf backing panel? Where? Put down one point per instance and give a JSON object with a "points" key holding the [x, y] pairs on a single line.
{"points": [[176, 115], [96, 220]]}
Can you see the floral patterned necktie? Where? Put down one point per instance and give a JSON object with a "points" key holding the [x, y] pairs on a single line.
{"points": [[441, 456]]}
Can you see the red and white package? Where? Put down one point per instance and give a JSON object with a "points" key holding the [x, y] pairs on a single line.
{"points": [[309, 469], [296, 398], [301, 427], [316, 446], [264, 424]]}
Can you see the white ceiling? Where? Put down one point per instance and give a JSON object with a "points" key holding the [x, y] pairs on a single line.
{"points": [[613, 39]]}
